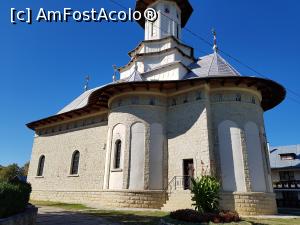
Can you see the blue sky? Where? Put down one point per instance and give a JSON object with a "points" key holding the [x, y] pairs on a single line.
{"points": [[42, 66]]}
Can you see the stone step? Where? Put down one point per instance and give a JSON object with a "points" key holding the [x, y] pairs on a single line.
{"points": [[178, 200]]}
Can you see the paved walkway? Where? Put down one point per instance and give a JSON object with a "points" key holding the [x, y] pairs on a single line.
{"points": [[56, 216]]}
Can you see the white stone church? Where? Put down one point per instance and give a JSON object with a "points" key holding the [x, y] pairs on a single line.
{"points": [[136, 142]]}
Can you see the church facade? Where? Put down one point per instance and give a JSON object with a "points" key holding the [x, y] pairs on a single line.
{"points": [[136, 142]]}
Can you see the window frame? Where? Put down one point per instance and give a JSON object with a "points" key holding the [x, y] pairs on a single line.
{"points": [[286, 175], [287, 156], [74, 172], [117, 155], [41, 166]]}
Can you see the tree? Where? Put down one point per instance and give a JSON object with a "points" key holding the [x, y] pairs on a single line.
{"points": [[10, 172], [24, 169]]}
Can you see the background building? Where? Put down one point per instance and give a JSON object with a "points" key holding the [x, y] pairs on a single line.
{"points": [[285, 165]]}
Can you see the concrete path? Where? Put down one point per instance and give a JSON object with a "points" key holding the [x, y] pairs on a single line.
{"points": [[56, 216]]}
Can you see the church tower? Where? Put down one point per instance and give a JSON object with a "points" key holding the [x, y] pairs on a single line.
{"points": [[172, 16], [161, 56]]}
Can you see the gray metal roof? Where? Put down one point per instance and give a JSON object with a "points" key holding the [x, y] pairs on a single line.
{"points": [[277, 162], [212, 65], [79, 102]]}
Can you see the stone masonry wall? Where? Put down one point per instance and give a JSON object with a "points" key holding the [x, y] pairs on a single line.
{"points": [[58, 148], [249, 203], [106, 199]]}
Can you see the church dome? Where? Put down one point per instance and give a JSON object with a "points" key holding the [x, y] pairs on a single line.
{"points": [[210, 66]]}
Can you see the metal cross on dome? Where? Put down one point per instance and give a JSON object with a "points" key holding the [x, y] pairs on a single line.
{"points": [[215, 47], [86, 85], [115, 73]]}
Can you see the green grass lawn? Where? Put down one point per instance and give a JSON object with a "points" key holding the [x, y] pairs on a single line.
{"points": [[149, 217], [71, 207]]}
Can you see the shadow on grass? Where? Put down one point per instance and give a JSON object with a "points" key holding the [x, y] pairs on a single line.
{"points": [[129, 217], [148, 218]]}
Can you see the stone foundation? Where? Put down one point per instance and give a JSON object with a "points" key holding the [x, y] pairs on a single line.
{"points": [[248, 204], [105, 199]]}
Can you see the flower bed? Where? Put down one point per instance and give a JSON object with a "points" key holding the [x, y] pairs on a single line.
{"points": [[189, 215]]}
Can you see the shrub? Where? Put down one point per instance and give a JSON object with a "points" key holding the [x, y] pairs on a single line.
{"points": [[189, 215], [14, 198], [206, 194]]}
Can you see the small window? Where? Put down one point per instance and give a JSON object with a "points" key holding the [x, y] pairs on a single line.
{"points": [[185, 100], [288, 156], [117, 160], [253, 101], [198, 96], [40, 170], [75, 163], [167, 10], [174, 102], [119, 103], [152, 101], [238, 97], [286, 175], [220, 98], [152, 28]]}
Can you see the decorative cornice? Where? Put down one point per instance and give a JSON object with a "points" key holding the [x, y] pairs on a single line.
{"points": [[272, 94]]}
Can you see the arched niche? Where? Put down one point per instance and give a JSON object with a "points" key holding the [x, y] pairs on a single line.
{"points": [[116, 174], [255, 158], [231, 157], [156, 157], [137, 157]]}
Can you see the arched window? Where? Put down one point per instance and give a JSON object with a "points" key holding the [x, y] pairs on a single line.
{"points": [[117, 159], [40, 170], [75, 163]]}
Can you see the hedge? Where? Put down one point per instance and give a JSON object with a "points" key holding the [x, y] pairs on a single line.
{"points": [[14, 198]]}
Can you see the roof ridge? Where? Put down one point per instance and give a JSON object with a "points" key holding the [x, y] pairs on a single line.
{"points": [[214, 55], [230, 67]]}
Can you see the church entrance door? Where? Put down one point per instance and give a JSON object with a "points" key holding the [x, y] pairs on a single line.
{"points": [[188, 173]]}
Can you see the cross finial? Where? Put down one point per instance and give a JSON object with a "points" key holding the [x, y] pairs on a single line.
{"points": [[115, 73], [215, 48], [86, 85]]}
